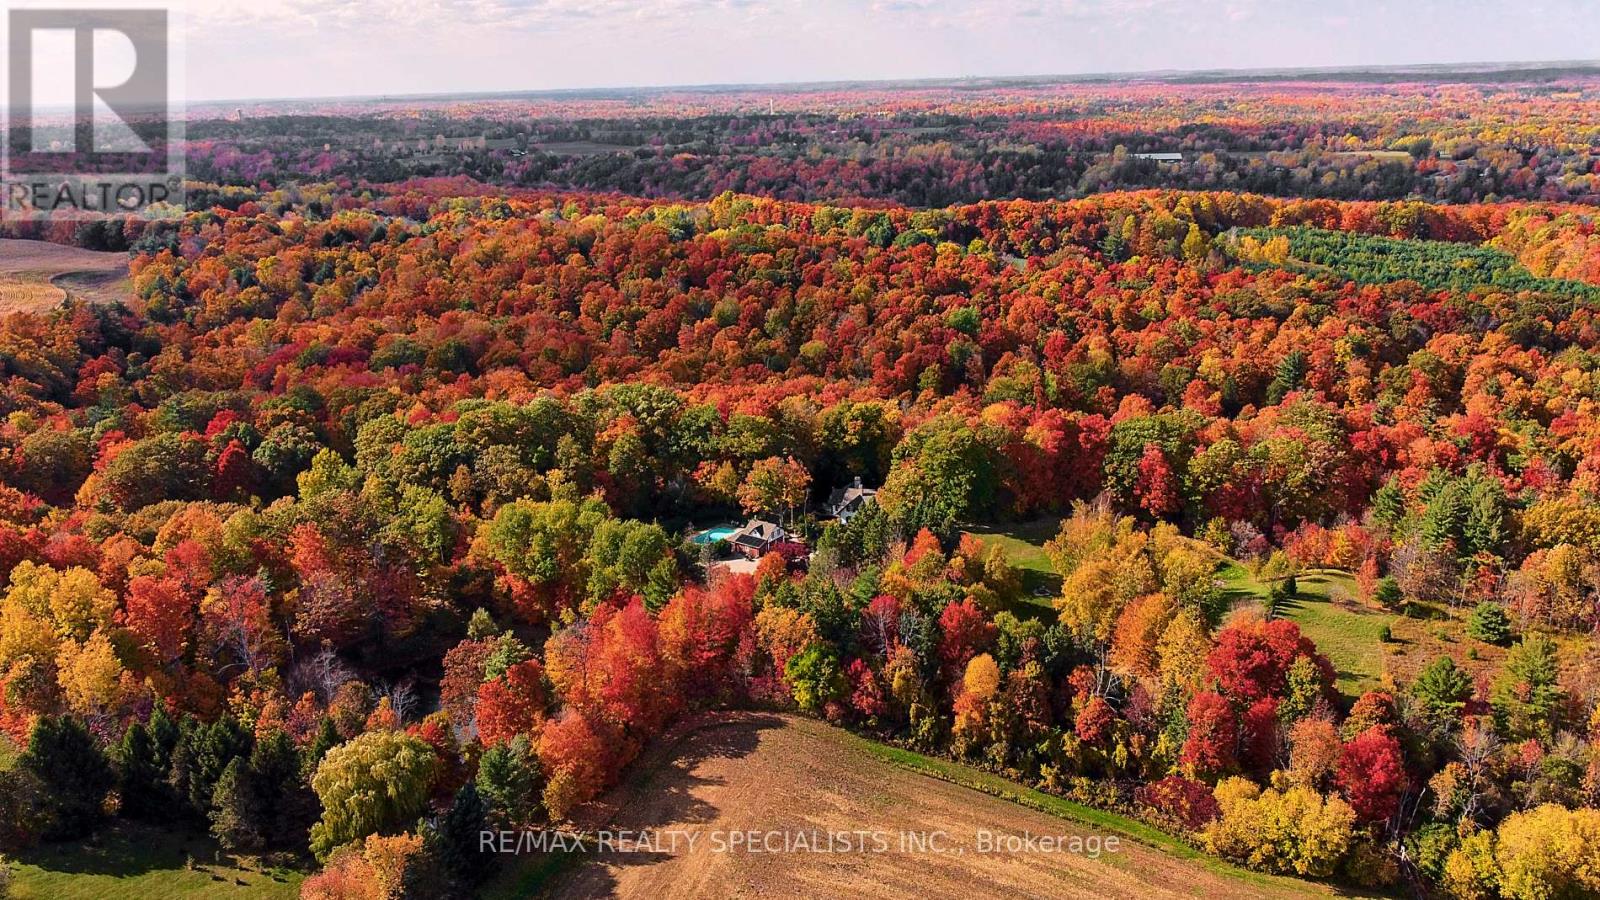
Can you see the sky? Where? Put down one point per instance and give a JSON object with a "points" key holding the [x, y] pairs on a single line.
{"points": [[262, 49]]}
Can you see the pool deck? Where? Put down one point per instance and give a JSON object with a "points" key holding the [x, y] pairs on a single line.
{"points": [[715, 533]]}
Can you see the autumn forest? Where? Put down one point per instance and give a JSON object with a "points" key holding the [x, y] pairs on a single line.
{"points": [[1223, 456]]}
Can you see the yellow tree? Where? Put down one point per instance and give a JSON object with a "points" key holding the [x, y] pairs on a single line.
{"points": [[90, 674], [1550, 851], [1292, 832], [74, 600], [376, 781], [776, 485]]}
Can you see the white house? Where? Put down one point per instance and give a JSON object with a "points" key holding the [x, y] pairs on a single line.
{"points": [[845, 502]]}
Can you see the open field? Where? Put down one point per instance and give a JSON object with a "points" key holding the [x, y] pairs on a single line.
{"points": [[132, 862], [1350, 632], [1419, 641], [35, 275], [1023, 544], [1326, 609], [770, 773], [582, 148]]}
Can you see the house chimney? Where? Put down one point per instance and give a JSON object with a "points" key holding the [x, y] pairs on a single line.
{"points": [[858, 482]]}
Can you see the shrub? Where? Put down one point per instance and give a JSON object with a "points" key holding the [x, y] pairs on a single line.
{"points": [[1388, 593], [1296, 831], [24, 815], [1490, 624], [1369, 866], [1179, 801], [379, 868]]}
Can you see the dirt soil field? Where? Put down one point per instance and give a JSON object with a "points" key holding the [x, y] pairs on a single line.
{"points": [[769, 773], [35, 275]]}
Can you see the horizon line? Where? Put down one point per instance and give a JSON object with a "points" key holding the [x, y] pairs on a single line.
{"points": [[1223, 75]]}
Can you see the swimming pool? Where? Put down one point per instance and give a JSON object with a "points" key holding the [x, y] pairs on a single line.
{"points": [[712, 535]]}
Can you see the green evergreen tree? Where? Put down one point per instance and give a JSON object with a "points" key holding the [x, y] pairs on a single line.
{"points": [[262, 801], [183, 768], [202, 754], [236, 814], [1389, 505], [454, 841], [163, 735], [142, 775], [1291, 373], [508, 651], [510, 782], [1484, 528], [1442, 690], [1388, 593], [1525, 696], [1113, 246], [74, 775], [288, 806], [326, 738], [1445, 516], [1490, 624]]}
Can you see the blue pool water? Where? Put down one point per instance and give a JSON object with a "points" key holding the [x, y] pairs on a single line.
{"points": [[712, 535]]}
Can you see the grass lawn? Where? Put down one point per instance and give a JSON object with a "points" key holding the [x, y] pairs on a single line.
{"points": [[530, 875], [1325, 609], [1023, 544], [128, 861], [1238, 583]]}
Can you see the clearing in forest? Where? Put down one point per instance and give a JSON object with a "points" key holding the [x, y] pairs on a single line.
{"points": [[37, 276], [772, 774]]}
